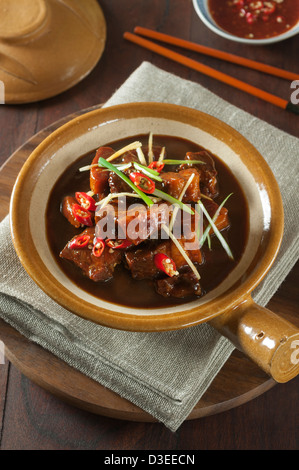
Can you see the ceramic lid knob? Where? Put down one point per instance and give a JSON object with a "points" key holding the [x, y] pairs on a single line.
{"points": [[47, 46], [21, 18]]}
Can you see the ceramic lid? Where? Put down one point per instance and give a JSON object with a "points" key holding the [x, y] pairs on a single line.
{"points": [[16, 22], [47, 46]]}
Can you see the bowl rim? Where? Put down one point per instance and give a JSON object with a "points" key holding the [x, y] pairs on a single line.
{"points": [[22, 237], [227, 35]]}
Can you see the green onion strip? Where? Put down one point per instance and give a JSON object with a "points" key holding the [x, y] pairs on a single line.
{"points": [[153, 174], [207, 230], [172, 200], [216, 231], [209, 242], [104, 163]]}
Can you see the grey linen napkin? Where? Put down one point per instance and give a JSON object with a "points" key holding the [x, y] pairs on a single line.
{"points": [[163, 373]]}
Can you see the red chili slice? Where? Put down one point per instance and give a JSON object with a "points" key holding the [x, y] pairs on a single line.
{"points": [[98, 247], [165, 264], [86, 201], [144, 183], [269, 8], [158, 166], [250, 17], [118, 244], [79, 242], [83, 216]]}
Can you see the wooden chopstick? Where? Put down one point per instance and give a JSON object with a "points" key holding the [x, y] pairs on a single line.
{"points": [[193, 64], [269, 69]]}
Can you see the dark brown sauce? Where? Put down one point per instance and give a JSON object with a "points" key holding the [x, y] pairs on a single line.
{"points": [[122, 289]]}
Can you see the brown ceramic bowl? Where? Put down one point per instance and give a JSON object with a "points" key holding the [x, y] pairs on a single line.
{"points": [[229, 307]]}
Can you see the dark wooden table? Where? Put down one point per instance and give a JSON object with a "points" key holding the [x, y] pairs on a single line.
{"points": [[30, 417]]}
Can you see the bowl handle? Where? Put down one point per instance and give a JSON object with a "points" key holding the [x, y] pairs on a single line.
{"points": [[269, 340]]}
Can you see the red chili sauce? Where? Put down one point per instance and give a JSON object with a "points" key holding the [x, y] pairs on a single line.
{"points": [[255, 19]]}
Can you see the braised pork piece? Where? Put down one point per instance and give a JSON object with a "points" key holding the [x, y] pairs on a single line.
{"points": [[145, 216]]}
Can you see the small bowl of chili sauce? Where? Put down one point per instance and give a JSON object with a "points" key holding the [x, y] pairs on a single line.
{"points": [[248, 21]]}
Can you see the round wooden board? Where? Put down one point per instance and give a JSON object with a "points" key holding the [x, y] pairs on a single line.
{"points": [[239, 381]]}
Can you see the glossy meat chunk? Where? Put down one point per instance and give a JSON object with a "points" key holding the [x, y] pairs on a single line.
{"points": [[99, 176], [141, 264], [181, 286], [136, 224], [190, 246], [141, 260], [207, 171], [222, 220], [97, 269], [174, 183], [116, 184], [129, 157]]}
